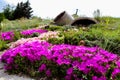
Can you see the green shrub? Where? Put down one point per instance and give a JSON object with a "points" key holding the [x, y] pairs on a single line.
{"points": [[59, 40], [71, 37], [112, 45], [94, 37], [17, 35], [55, 28], [97, 38], [3, 45]]}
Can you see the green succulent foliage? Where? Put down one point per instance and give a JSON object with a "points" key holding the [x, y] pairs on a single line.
{"points": [[3, 45], [59, 40], [54, 28]]}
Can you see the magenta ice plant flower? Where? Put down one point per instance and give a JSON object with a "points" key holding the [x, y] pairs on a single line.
{"points": [[99, 78], [70, 71], [115, 72], [7, 36], [87, 60], [42, 67], [48, 73], [68, 77], [32, 31]]}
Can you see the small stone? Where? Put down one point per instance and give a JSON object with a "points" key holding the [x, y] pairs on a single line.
{"points": [[2, 78], [11, 79]]}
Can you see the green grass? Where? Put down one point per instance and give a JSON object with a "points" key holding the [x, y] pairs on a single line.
{"points": [[19, 24]]}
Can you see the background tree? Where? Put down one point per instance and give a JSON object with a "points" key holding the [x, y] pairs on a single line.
{"points": [[23, 10], [8, 12], [2, 17]]}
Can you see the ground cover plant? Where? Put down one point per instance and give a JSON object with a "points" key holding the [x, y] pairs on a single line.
{"points": [[62, 52], [11, 35], [32, 32], [7, 36], [3, 45], [43, 37], [62, 61]]}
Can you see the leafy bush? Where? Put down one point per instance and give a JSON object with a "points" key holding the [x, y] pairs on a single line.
{"points": [[59, 40], [67, 62], [17, 35], [55, 28], [3, 45], [99, 39], [93, 37], [72, 37]]}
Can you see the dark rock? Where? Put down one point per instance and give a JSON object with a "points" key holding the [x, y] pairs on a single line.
{"points": [[83, 21], [63, 19]]}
